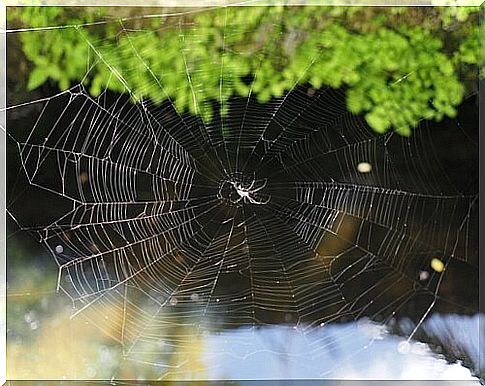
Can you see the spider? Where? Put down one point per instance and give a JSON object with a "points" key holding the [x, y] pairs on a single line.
{"points": [[245, 192]]}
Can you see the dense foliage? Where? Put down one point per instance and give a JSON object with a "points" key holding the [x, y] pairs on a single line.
{"points": [[398, 65]]}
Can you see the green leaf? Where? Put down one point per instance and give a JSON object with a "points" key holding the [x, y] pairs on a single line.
{"points": [[37, 77], [378, 121]]}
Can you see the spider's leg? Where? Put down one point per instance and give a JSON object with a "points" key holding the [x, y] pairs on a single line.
{"points": [[254, 201], [219, 194], [237, 200], [260, 187]]}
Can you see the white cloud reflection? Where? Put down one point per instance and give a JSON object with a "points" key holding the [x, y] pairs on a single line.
{"points": [[350, 351]]}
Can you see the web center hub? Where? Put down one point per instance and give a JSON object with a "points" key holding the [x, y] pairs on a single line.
{"points": [[239, 190]]}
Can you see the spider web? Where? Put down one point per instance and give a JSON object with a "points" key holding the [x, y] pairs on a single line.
{"points": [[256, 217]]}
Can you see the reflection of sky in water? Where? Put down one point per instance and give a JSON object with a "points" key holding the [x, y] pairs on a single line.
{"points": [[357, 350], [42, 335], [354, 351]]}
